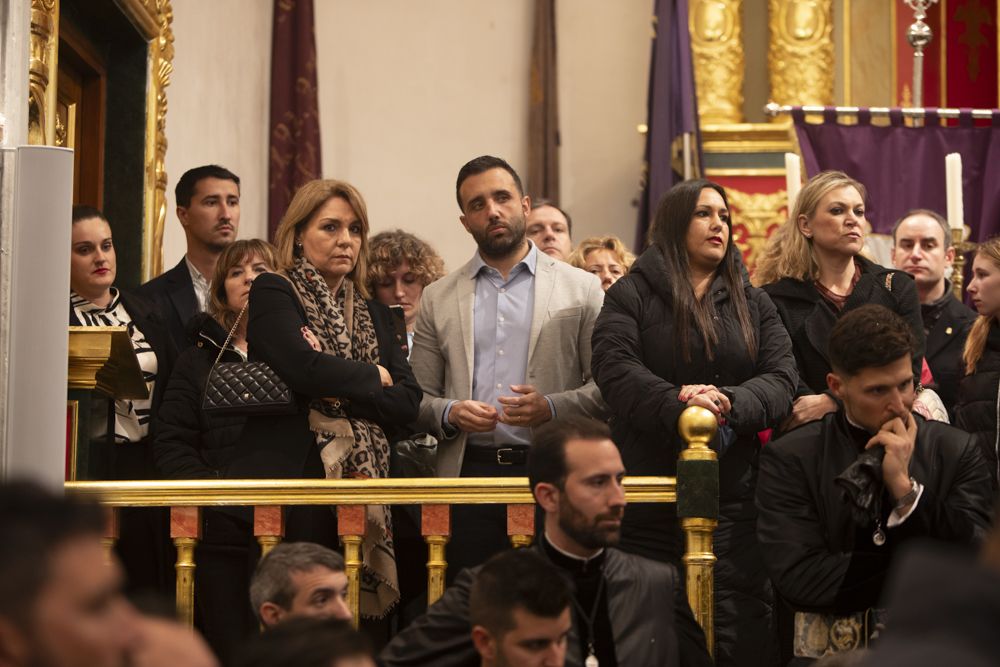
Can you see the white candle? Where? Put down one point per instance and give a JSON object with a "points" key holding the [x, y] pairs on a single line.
{"points": [[793, 178], [953, 181]]}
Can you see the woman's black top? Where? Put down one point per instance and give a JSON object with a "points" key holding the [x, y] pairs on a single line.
{"points": [[285, 447], [809, 318], [978, 396]]}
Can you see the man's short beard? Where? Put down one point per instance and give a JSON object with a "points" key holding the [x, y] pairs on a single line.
{"points": [[586, 534], [498, 248]]}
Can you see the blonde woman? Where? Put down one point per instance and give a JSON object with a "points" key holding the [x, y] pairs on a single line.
{"points": [[979, 391], [813, 271], [354, 386], [604, 256]]}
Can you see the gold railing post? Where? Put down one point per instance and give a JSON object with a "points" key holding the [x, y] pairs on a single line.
{"points": [[185, 529], [268, 526], [435, 526], [351, 527], [698, 509], [111, 532], [521, 525]]}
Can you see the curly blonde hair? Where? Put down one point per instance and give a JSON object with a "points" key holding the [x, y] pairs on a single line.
{"points": [[788, 254], [579, 256], [387, 250]]}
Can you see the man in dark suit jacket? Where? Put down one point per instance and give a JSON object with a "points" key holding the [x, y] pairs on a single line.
{"points": [[922, 247], [208, 207], [627, 610]]}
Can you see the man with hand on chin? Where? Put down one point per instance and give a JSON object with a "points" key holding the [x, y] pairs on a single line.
{"points": [[838, 496], [501, 346]]}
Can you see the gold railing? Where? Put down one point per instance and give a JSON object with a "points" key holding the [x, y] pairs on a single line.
{"points": [[435, 495]]}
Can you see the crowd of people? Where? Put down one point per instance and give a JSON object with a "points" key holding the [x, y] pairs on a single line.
{"points": [[832, 378]]}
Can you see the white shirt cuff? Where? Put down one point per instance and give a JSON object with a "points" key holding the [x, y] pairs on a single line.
{"points": [[896, 519]]}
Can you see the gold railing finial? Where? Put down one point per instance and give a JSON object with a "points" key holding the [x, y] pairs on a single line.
{"points": [[697, 426]]}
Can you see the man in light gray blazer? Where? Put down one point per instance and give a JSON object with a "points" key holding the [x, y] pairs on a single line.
{"points": [[501, 345]]}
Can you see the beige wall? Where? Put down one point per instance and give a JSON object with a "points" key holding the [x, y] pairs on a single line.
{"points": [[409, 91], [218, 104]]}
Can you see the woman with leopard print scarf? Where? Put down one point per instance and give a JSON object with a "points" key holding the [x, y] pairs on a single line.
{"points": [[315, 326]]}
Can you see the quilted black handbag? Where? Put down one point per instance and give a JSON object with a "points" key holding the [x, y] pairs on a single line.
{"points": [[245, 388]]}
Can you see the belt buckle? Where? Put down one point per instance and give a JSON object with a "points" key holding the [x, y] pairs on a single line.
{"points": [[500, 453]]}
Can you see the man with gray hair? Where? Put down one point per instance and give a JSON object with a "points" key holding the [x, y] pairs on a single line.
{"points": [[921, 246], [299, 579]]}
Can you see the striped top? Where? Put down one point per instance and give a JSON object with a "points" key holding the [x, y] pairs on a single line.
{"points": [[132, 417]]}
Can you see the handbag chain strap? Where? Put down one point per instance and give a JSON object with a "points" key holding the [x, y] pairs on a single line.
{"points": [[230, 336]]}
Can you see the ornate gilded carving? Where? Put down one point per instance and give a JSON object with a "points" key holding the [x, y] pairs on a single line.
{"points": [[161, 57], [800, 56], [756, 215], [717, 50], [42, 71]]}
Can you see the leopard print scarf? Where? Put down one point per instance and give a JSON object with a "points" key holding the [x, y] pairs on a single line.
{"points": [[351, 447]]}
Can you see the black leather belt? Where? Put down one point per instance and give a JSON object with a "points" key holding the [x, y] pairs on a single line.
{"points": [[506, 456]]}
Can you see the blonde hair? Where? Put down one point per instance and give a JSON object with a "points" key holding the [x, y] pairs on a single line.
{"points": [[788, 253], [579, 256], [390, 249], [235, 253], [306, 202], [975, 344]]}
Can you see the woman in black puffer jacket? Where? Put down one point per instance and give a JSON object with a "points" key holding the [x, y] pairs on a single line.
{"points": [[192, 444], [979, 392], [686, 328]]}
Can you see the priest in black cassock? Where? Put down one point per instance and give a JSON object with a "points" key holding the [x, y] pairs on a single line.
{"points": [[839, 496]]}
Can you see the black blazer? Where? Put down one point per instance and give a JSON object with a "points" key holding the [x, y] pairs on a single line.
{"points": [[809, 319], [944, 349], [284, 447], [172, 293]]}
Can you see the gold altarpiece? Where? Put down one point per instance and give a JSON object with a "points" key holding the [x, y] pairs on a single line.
{"points": [[152, 20], [747, 157]]}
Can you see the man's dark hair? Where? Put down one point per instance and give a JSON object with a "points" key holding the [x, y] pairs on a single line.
{"points": [[547, 455], [517, 578], [272, 581], [551, 204], [34, 524], [869, 337], [305, 642], [937, 217], [81, 212], [184, 189], [481, 164]]}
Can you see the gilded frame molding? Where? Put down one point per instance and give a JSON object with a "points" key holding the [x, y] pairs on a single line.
{"points": [[152, 19]]}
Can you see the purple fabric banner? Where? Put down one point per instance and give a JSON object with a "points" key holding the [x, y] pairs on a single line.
{"points": [[903, 167], [673, 106]]}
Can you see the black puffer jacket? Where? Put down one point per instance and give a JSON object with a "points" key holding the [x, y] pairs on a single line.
{"points": [[809, 319], [640, 370], [978, 394], [189, 443]]}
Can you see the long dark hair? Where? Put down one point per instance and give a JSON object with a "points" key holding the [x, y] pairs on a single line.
{"points": [[669, 235]]}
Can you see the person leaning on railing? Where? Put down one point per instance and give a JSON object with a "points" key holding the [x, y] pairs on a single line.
{"points": [[353, 384], [94, 301], [685, 328], [813, 270], [193, 444]]}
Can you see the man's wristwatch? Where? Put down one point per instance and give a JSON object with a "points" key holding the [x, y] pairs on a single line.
{"points": [[910, 497]]}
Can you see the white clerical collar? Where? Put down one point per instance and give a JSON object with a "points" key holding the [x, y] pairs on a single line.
{"points": [[573, 556]]}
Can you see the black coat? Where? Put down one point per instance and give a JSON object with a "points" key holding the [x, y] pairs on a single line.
{"points": [[172, 294], [809, 319], [819, 559], [978, 394], [189, 443], [945, 342], [640, 371], [283, 446], [650, 620]]}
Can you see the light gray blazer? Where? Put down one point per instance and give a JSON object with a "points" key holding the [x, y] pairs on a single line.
{"points": [[567, 302]]}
